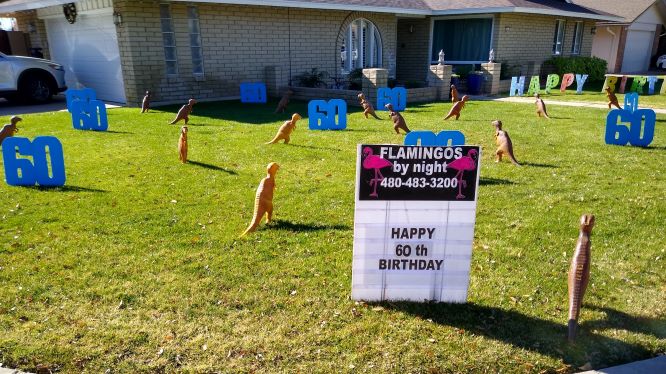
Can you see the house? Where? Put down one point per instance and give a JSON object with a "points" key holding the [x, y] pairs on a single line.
{"points": [[633, 44], [204, 49]]}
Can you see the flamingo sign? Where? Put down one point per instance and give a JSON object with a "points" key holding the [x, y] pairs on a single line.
{"points": [[414, 222]]}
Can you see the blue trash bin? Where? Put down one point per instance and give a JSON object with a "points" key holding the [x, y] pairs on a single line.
{"points": [[474, 82]]}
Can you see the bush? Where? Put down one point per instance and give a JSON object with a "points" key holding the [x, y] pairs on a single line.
{"points": [[355, 79], [312, 78], [592, 66]]}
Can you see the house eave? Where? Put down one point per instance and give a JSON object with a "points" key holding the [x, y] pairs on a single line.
{"points": [[311, 5], [546, 12]]}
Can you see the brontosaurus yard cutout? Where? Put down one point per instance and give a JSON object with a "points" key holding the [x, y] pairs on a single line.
{"points": [[624, 125], [322, 114], [35, 171]]}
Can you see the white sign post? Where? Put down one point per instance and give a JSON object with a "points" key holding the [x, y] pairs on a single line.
{"points": [[414, 222]]}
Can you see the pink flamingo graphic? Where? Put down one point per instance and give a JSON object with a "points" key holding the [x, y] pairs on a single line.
{"points": [[374, 162], [465, 163]]}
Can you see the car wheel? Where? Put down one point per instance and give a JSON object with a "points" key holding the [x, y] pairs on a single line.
{"points": [[35, 89]]}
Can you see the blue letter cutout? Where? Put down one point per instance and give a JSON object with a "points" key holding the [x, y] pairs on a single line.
{"points": [[322, 114], [253, 93], [88, 113], [617, 131], [428, 138], [580, 82], [517, 86], [396, 96], [37, 171]]}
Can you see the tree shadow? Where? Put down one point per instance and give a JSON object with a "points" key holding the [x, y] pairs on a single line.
{"points": [[616, 319], [537, 165], [212, 167], [116, 132], [527, 332], [305, 227], [314, 147], [67, 188], [493, 181]]}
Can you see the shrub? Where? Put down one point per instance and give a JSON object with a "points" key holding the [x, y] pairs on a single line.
{"points": [[312, 78], [355, 79], [592, 66]]}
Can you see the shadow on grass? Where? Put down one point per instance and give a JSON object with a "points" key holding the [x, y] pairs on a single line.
{"points": [[527, 332], [305, 227], [493, 181], [616, 319], [211, 167], [314, 147], [67, 188], [115, 132], [653, 148], [537, 165]]}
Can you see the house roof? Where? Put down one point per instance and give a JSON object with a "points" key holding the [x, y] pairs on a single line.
{"points": [[628, 10], [407, 7]]}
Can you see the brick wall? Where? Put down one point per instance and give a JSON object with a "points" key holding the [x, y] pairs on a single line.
{"points": [[413, 58], [238, 43], [38, 37], [528, 41]]}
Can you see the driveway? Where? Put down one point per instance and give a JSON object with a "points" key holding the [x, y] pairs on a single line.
{"points": [[58, 103]]}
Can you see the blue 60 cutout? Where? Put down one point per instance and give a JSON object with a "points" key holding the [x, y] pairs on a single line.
{"points": [[397, 96], [428, 138], [23, 172], [322, 114], [253, 93], [619, 133], [88, 113]]}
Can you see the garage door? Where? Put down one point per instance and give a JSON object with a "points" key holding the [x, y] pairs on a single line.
{"points": [[89, 51], [637, 51]]}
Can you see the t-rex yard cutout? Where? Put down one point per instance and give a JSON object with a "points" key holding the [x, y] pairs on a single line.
{"points": [[368, 109], [182, 145], [284, 132], [398, 121], [184, 112], [540, 106], [263, 202], [284, 101], [457, 108], [10, 129], [504, 144]]}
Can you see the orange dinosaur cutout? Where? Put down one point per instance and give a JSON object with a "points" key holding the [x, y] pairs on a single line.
{"points": [[284, 101], [612, 99], [504, 144], [263, 202], [284, 132], [184, 112], [145, 104], [10, 129], [368, 109], [540, 106], [182, 145], [398, 121], [454, 94], [457, 108], [579, 273]]}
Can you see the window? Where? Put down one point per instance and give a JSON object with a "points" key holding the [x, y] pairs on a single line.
{"points": [[169, 40], [195, 39], [559, 37], [362, 46], [578, 36], [464, 40]]}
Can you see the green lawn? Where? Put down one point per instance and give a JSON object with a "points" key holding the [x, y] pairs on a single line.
{"points": [[645, 101], [136, 265]]}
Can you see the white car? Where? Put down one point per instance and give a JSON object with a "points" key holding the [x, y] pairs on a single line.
{"points": [[30, 79], [661, 62]]}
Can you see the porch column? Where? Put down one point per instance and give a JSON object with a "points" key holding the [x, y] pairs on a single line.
{"points": [[491, 77], [372, 80], [440, 76], [272, 76]]}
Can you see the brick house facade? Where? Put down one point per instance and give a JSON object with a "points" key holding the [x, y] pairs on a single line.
{"points": [[275, 43]]}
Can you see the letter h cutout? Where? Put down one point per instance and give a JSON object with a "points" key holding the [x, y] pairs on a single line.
{"points": [[322, 114], [88, 113]]}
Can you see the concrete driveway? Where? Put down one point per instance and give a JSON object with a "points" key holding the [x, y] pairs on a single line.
{"points": [[58, 103]]}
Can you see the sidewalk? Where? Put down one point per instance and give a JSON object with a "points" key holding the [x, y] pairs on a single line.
{"points": [[529, 100], [653, 365]]}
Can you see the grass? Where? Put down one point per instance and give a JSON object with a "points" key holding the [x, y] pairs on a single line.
{"points": [[136, 265], [645, 101]]}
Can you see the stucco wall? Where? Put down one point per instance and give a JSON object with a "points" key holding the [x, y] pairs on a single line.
{"points": [[238, 43]]}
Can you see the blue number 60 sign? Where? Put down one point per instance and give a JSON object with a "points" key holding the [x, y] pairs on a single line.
{"points": [[397, 96], [638, 119], [88, 113], [23, 172], [322, 114]]}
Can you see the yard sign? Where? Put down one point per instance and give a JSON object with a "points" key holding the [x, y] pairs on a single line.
{"points": [[414, 222]]}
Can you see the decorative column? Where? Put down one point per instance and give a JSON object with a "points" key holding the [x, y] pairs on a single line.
{"points": [[491, 72], [372, 80], [440, 76]]}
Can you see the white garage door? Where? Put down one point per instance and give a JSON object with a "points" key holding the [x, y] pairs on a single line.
{"points": [[637, 51], [89, 51]]}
